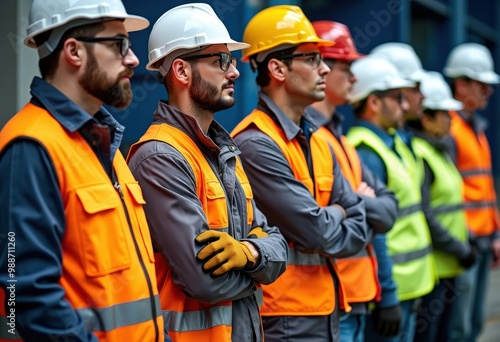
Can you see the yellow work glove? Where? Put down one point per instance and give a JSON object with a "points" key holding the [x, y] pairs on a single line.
{"points": [[222, 253], [257, 233]]}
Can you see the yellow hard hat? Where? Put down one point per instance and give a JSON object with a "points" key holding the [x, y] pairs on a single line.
{"points": [[277, 25]]}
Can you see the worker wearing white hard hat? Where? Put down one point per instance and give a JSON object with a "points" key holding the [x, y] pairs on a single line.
{"points": [[214, 247], [472, 74], [442, 200], [378, 103]]}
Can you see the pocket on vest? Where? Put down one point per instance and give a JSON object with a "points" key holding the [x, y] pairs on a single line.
{"points": [[104, 243]]}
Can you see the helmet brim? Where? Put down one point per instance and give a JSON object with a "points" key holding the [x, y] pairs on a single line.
{"points": [[132, 23], [320, 43]]}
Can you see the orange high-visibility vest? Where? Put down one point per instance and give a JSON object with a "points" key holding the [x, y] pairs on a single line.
{"points": [[188, 320], [474, 164], [358, 273], [307, 287], [108, 262]]}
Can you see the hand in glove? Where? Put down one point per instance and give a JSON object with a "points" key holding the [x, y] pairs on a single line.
{"points": [[470, 259], [387, 320], [223, 253], [257, 233]]}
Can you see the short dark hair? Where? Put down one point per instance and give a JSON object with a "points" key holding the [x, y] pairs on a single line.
{"points": [[48, 65], [263, 78]]}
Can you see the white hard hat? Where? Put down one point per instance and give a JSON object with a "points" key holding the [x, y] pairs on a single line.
{"points": [[437, 93], [473, 61], [404, 57], [375, 74], [184, 28], [61, 15]]}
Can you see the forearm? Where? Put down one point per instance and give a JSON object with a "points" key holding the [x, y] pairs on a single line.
{"points": [[175, 218], [288, 204], [381, 211], [272, 250]]}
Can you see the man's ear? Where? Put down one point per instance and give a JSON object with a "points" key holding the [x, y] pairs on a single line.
{"points": [[73, 51], [277, 69], [181, 70], [373, 103]]}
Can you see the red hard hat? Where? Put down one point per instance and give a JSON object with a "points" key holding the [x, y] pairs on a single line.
{"points": [[344, 48]]}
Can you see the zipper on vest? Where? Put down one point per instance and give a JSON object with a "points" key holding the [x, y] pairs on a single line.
{"points": [[118, 188]]}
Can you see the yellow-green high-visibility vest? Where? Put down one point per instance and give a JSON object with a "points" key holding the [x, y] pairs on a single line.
{"points": [[446, 201], [409, 241]]}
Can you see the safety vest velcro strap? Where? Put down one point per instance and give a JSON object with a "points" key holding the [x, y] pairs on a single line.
{"points": [[198, 320], [479, 205], [405, 257], [409, 210], [297, 258], [446, 208], [475, 172], [120, 315]]}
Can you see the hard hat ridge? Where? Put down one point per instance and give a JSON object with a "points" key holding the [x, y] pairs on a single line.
{"points": [[471, 60], [278, 25], [344, 48], [62, 15], [182, 29]]}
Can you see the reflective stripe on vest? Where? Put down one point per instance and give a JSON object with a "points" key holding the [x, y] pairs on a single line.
{"points": [[406, 257], [91, 274], [117, 316], [187, 319], [307, 286], [473, 159], [443, 209], [358, 273], [478, 205], [198, 320], [446, 202], [477, 172], [410, 209], [409, 239]]}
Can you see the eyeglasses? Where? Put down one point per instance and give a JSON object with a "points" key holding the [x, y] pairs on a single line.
{"points": [[225, 59], [123, 43], [314, 60], [398, 97]]}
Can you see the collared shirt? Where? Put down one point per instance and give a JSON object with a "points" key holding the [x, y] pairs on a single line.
{"points": [[33, 207], [175, 217]]}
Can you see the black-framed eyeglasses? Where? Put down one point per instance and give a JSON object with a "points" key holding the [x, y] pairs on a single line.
{"points": [[123, 43], [397, 96], [314, 58], [225, 59]]}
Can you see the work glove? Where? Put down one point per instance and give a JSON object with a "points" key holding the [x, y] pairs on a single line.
{"points": [[387, 320], [222, 253], [470, 259], [257, 233]]}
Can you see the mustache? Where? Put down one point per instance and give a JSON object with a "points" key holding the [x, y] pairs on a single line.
{"points": [[128, 72], [229, 83]]}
